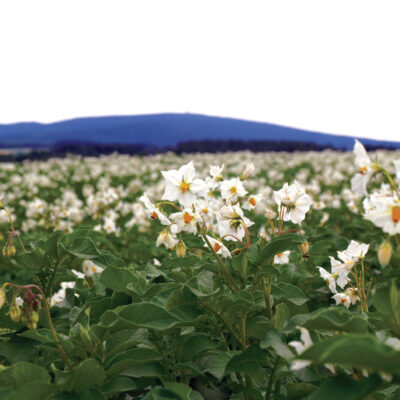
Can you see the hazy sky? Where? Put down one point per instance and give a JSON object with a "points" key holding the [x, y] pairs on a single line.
{"points": [[331, 66]]}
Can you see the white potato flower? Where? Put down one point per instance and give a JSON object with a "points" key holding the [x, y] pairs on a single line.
{"points": [[90, 268], [231, 221], [365, 171], [248, 170], [182, 186], [252, 201], [186, 221], [353, 253], [300, 346], [282, 258], [153, 211], [232, 189], [329, 278], [167, 238], [384, 212], [218, 247], [348, 297], [295, 200]]}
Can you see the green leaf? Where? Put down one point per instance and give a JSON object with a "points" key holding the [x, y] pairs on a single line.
{"points": [[120, 384], [41, 335], [273, 339], [248, 361], [196, 345], [345, 388], [159, 393], [183, 303], [140, 354], [281, 316], [387, 302], [84, 248], [299, 390], [330, 319], [34, 391], [286, 291], [184, 262], [21, 373], [257, 326], [253, 253], [88, 374], [278, 245], [355, 350], [183, 391], [136, 368], [219, 363], [203, 285], [49, 246], [148, 315], [17, 349], [117, 279]]}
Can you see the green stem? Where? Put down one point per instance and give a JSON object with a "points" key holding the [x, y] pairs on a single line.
{"points": [[267, 295], [271, 379], [277, 389], [50, 283], [170, 203], [222, 264], [244, 330], [389, 178], [246, 232], [231, 330], [13, 229]]}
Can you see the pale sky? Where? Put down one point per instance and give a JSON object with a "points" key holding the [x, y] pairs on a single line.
{"points": [[329, 66]]}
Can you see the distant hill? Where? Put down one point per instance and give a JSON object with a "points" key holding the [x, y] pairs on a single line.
{"points": [[162, 130]]}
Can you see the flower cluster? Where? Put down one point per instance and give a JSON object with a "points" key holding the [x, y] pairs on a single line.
{"points": [[340, 270], [213, 207]]}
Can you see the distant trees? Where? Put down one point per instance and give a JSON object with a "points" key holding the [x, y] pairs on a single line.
{"points": [[83, 148]]}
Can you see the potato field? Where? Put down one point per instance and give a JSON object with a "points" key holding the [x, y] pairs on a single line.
{"points": [[206, 276]]}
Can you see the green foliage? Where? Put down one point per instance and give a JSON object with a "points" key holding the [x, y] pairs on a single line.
{"points": [[151, 325]]}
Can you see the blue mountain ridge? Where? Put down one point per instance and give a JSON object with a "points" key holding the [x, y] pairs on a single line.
{"points": [[164, 130]]}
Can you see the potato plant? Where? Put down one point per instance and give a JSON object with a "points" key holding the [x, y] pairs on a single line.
{"points": [[236, 276]]}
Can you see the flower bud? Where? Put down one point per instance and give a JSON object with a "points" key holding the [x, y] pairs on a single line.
{"points": [[31, 325], [304, 248], [23, 317], [9, 250], [15, 312], [3, 297], [248, 170], [12, 250], [181, 249], [34, 316], [384, 253]]}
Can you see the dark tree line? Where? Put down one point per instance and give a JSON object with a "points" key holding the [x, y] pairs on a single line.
{"points": [[62, 149]]}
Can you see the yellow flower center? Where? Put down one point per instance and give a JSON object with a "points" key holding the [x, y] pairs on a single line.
{"points": [[184, 187], [217, 247], [396, 214], [154, 215], [363, 170], [187, 218], [233, 190], [252, 201]]}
